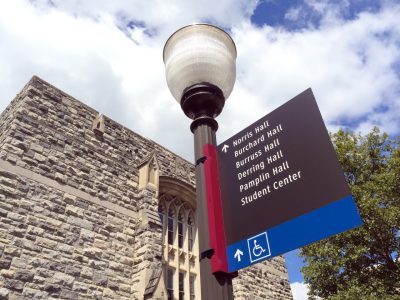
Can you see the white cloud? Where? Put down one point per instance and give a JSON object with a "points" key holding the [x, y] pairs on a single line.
{"points": [[293, 14], [299, 291], [163, 16], [78, 47], [352, 66], [349, 67]]}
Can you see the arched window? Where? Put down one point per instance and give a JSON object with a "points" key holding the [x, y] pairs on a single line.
{"points": [[171, 224], [191, 231], [180, 251], [170, 283], [161, 214], [181, 221]]}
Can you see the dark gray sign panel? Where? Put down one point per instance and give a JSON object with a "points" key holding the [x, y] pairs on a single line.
{"points": [[280, 176]]}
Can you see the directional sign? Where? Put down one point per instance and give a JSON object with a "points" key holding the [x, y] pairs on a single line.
{"points": [[281, 185], [225, 148], [238, 255]]}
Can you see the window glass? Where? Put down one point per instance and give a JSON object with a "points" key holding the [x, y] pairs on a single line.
{"points": [[180, 231], [192, 280], [161, 215], [170, 283], [170, 227], [190, 233], [181, 285], [177, 218]]}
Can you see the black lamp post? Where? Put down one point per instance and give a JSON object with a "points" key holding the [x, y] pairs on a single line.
{"points": [[200, 65]]}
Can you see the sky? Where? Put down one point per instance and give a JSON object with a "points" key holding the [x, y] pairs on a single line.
{"points": [[108, 54]]}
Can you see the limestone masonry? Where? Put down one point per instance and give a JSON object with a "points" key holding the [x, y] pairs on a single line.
{"points": [[91, 210]]}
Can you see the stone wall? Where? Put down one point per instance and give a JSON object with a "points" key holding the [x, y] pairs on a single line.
{"points": [[50, 133], [74, 223], [266, 280], [54, 244], [7, 117]]}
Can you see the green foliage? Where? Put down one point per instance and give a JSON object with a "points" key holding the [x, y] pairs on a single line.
{"points": [[362, 263]]}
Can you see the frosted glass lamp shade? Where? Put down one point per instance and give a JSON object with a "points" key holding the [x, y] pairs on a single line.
{"points": [[198, 54]]}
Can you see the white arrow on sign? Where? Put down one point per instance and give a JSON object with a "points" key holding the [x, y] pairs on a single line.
{"points": [[238, 255], [225, 148]]}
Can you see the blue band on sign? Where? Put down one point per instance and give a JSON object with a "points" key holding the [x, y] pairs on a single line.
{"points": [[318, 224]]}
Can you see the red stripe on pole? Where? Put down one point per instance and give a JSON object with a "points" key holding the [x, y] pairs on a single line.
{"points": [[219, 261]]}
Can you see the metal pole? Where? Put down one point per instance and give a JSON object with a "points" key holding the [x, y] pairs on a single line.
{"points": [[218, 286]]}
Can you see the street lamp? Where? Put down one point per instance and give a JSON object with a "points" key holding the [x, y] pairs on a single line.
{"points": [[200, 67]]}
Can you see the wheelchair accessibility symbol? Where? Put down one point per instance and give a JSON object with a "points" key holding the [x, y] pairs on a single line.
{"points": [[258, 247]]}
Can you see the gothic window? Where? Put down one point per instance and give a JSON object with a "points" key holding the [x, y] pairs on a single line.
{"points": [[161, 214], [180, 252], [170, 283], [180, 230], [191, 286], [191, 232], [170, 226], [181, 286]]}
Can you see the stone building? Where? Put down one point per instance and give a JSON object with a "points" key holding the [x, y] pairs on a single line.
{"points": [[91, 210]]}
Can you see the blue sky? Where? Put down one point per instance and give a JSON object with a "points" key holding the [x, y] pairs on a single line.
{"points": [[274, 13], [294, 263], [108, 54]]}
